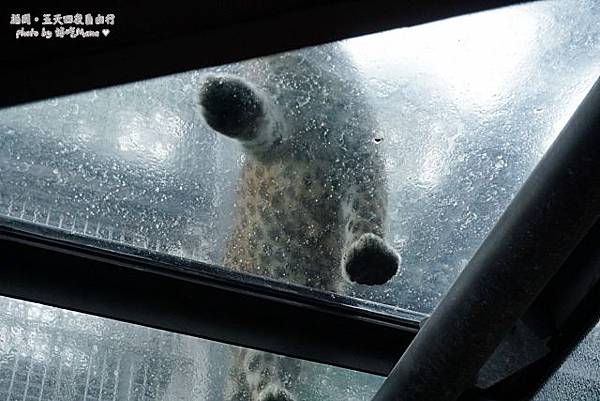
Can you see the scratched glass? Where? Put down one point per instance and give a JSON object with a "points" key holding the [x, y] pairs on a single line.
{"points": [[465, 108]]}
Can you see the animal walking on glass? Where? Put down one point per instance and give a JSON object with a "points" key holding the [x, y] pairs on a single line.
{"points": [[311, 203]]}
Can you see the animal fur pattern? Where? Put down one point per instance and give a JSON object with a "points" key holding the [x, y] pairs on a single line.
{"points": [[311, 202]]}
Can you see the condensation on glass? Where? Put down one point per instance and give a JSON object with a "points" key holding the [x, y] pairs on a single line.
{"points": [[578, 379], [50, 354], [465, 109]]}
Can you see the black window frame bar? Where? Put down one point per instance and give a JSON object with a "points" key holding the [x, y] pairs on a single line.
{"points": [[89, 279], [146, 287], [543, 246], [159, 38]]}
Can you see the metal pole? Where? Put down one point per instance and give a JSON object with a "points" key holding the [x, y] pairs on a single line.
{"points": [[550, 215]]}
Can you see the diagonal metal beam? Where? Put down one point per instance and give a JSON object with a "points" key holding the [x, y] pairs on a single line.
{"points": [[555, 209]]}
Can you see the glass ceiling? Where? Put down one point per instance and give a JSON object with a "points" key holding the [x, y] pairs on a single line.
{"points": [[461, 111]]}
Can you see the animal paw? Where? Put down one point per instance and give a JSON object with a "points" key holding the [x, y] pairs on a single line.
{"points": [[231, 106], [275, 393], [370, 261]]}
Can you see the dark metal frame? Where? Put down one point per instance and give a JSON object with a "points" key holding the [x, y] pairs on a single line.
{"points": [[170, 293], [184, 296], [550, 227], [160, 38]]}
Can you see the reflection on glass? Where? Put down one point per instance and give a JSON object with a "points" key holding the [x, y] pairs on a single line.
{"points": [[52, 354], [578, 379], [459, 110]]}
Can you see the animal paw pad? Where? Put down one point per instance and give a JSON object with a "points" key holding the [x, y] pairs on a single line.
{"points": [[230, 105], [275, 393], [370, 261]]}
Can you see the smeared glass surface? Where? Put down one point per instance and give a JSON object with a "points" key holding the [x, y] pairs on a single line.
{"points": [[52, 354], [578, 379], [465, 109]]}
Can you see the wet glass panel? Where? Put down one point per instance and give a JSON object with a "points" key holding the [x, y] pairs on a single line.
{"points": [[50, 354], [578, 379], [408, 143]]}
